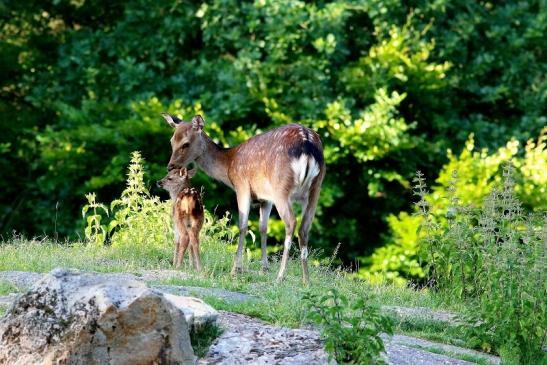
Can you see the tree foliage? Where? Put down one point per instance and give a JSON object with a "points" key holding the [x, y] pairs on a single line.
{"points": [[466, 180], [389, 85]]}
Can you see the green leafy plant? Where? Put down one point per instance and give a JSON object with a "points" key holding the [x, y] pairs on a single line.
{"points": [[351, 330], [140, 221], [94, 231], [203, 338], [493, 257], [461, 187], [135, 217]]}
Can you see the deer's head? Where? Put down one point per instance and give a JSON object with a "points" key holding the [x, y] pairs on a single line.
{"points": [[186, 143], [176, 180]]}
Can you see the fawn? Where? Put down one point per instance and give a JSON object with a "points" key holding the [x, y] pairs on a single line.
{"points": [[280, 167], [187, 214]]}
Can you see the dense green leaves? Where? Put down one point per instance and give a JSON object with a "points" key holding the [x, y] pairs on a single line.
{"points": [[351, 329], [389, 85], [495, 257], [467, 179]]}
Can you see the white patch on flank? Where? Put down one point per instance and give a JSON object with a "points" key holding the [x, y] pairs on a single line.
{"points": [[303, 180], [304, 253], [313, 171], [299, 168]]}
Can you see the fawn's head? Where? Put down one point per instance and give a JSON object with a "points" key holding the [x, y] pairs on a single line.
{"points": [[176, 180], [187, 141]]}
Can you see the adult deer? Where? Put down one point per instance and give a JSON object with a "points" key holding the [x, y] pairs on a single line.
{"points": [[279, 167]]}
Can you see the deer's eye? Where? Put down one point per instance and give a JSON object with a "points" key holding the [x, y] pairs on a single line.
{"points": [[185, 145]]}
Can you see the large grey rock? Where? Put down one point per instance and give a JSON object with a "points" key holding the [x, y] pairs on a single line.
{"points": [[197, 312], [21, 279], [6, 300], [85, 318], [229, 296]]}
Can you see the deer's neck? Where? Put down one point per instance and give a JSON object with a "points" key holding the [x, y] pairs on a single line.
{"points": [[174, 192], [215, 160]]}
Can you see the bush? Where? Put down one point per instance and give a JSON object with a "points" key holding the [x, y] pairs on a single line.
{"points": [[493, 257], [351, 331], [140, 221], [478, 172]]}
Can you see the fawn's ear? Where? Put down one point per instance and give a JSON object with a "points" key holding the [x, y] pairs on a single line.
{"points": [[171, 119], [192, 173], [198, 123], [183, 172]]}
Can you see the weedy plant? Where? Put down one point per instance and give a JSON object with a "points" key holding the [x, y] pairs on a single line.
{"points": [[494, 258], [351, 330], [139, 221]]}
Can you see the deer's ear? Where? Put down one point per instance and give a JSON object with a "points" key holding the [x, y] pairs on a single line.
{"points": [[192, 173], [171, 119], [198, 123]]}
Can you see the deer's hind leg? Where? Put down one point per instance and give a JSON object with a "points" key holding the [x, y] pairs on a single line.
{"points": [[265, 210], [177, 246], [284, 208], [308, 212], [184, 241], [193, 232]]}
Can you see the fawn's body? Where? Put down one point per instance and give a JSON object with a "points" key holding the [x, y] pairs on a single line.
{"points": [[187, 215], [279, 167]]}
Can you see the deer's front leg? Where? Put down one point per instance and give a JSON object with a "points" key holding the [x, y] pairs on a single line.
{"points": [[243, 204]]}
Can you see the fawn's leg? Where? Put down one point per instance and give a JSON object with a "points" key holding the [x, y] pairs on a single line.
{"points": [[177, 245], [191, 259], [184, 245], [194, 245]]}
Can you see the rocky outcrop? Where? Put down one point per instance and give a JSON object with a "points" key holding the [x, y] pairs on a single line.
{"points": [[197, 312], [86, 318], [247, 340]]}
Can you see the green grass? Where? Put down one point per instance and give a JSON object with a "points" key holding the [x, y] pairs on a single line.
{"points": [[202, 340], [279, 304], [7, 288], [45, 255], [433, 331]]}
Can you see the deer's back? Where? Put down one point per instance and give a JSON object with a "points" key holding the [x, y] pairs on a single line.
{"points": [[188, 206], [289, 156]]}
